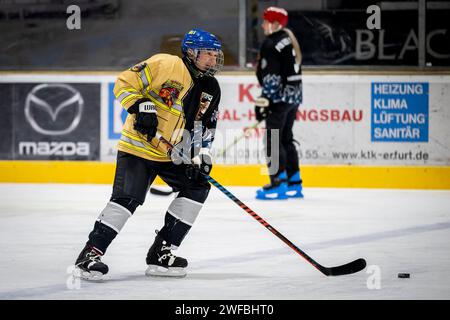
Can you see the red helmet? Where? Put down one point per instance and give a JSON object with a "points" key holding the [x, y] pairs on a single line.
{"points": [[272, 14]]}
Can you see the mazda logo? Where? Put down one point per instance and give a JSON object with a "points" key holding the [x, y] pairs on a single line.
{"points": [[52, 99]]}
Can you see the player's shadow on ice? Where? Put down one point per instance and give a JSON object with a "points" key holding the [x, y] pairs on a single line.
{"points": [[220, 276], [189, 276]]}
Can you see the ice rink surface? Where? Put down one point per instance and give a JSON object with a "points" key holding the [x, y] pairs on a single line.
{"points": [[231, 256]]}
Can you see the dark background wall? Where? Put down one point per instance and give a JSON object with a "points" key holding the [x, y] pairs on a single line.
{"points": [[116, 34]]}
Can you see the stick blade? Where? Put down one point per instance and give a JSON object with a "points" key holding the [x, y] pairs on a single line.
{"points": [[160, 192], [349, 268]]}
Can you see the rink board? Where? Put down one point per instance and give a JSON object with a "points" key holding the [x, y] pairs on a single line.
{"points": [[238, 175], [355, 130]]}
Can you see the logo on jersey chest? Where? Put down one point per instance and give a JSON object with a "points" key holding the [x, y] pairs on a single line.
{"points": [[205, 100], [169, 92]]}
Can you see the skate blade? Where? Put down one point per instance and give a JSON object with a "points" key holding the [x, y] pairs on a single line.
{"points": [[294, 194], [274, 196], [158, 271], [86, 275]]}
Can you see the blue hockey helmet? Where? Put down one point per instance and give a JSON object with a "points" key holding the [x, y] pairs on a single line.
{"points": [[197, 40]]}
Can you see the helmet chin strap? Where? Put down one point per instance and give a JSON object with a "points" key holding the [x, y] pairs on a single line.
{"points": [[196, 72]]}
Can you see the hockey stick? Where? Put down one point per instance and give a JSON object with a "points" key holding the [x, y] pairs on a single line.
{"points": [[349, 268], [160, 192]]}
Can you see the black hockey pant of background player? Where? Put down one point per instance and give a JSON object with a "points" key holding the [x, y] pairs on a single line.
{"points": [[133, 177], [282, 117]]}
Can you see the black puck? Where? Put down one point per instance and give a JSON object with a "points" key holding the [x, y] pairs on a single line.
{"points": [[403, 275]]}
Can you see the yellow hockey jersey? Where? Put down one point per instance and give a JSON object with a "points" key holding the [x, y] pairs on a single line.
{"points": [[179, 98]]}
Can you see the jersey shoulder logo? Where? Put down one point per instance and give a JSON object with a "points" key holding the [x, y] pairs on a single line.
{"points": [[138, 67], [283, 43]]}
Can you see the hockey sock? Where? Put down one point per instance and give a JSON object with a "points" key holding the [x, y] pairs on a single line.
{"points": [[174, 230], [101, 237]]}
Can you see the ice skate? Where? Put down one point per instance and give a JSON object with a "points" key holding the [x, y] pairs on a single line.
{"points": [[162, 263], [276, 190], [89, 266], [294, 186]]}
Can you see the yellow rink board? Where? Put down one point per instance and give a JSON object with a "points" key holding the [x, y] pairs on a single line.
{"points": [[406, 177]]}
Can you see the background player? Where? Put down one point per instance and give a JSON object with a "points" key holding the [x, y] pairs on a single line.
{"points": [[279, 74]]}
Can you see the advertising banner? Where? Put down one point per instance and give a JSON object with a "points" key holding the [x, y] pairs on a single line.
{"points": [[352, 119], [341, 37], [400, 112], [113, 119], [378, 120], [6, 121], [56, 121]]}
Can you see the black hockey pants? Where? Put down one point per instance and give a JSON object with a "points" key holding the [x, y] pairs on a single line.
{"points": [[282, 117], [133, 177]]}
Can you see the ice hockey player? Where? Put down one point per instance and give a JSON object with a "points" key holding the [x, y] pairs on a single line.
{"points": [[177, 98], [279, 74]]}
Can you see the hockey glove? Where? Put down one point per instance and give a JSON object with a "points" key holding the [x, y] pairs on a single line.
{"points": [[262, 108], [201, 165], [146, 117]]}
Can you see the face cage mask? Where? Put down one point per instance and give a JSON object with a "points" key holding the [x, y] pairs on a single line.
{"points": [[194, 55]]}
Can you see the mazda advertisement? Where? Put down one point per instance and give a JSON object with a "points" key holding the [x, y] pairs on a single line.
{"points": [[51, 121]]}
